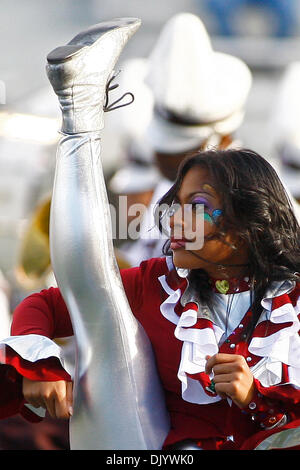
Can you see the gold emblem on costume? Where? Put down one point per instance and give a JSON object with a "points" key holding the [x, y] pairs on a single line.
{"points": [[222, 286]]}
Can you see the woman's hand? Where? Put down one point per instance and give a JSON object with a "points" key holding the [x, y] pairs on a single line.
{"points": [[232, 377], [56, 397]]}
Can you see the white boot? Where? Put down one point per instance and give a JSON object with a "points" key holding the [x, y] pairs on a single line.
{"points": [[80, 70]]}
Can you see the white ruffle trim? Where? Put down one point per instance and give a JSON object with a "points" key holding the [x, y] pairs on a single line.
{"points": [[276, 349], [197, 344], [282, 347], [167, 307], [34, 348]]}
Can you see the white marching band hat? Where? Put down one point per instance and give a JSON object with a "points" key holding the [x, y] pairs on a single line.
{"points": [[197, 92]]}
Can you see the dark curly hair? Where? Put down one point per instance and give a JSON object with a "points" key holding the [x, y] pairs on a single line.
{"points": [[257, 208]]}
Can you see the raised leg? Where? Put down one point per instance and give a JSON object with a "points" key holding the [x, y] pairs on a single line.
{"points": [[118, 398]]}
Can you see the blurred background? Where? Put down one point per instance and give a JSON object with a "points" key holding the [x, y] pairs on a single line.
{"points": [[263, 33]]}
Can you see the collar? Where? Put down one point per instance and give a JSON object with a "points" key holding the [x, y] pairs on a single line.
{"points": [[219, 286], [276, 289]]}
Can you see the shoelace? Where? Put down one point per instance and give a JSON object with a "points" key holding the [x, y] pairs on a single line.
{"points": [[109, 87]]}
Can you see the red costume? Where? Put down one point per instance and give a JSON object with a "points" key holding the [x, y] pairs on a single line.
{"points": [[181, 337]]}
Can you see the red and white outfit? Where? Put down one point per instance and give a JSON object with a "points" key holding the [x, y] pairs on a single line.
{"points": [[181, 336]]}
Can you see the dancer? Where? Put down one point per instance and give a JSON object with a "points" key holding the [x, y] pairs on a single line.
{"points": [[198, 101], [226, 336]]}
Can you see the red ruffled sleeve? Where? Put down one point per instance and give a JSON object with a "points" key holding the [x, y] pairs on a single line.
{"points": [[42, 314], [46, 314]]}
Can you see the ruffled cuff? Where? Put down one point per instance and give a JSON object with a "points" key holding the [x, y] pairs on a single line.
{"points": [[267, 413], [43, 370], [34, 357], [33, 364]]}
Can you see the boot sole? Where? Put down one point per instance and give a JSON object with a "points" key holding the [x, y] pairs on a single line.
{"points": [[88, 38]]}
